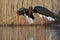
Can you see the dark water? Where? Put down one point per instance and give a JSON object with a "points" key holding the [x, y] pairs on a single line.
{"points": [[29, 33]]}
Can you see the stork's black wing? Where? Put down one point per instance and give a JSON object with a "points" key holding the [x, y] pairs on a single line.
{"points": [[43, 11], [46, 12]]}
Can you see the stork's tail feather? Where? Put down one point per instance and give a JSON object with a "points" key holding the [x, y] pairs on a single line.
{"points": [[59, 12], [57, 19]]}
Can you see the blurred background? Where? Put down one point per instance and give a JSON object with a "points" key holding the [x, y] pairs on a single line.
{"points": [[8, 9]]}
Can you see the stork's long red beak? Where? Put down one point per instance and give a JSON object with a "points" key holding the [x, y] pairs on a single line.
{"points": [[17, 16], [30, 10]]}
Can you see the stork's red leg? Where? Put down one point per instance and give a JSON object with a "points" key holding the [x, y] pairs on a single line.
{"points": [[43, 21], [17, 16], [43, 37]]}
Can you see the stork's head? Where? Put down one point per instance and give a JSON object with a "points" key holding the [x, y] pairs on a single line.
{"points": [[21, 11]]}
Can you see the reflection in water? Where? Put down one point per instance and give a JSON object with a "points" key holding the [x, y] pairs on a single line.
{"points": [[28, 33], [31, 38], [53, 34]]}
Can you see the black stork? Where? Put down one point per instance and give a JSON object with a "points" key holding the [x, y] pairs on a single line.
{"points": [[46, 13], [41, 11], [26, 13]]}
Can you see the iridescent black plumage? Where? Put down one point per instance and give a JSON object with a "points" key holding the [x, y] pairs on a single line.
{"points": [[43, 11], [23, 11], [46, 12]]}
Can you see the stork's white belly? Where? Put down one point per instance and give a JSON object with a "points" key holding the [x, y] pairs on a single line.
{"points": [[48, 18], [30, 20]]}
